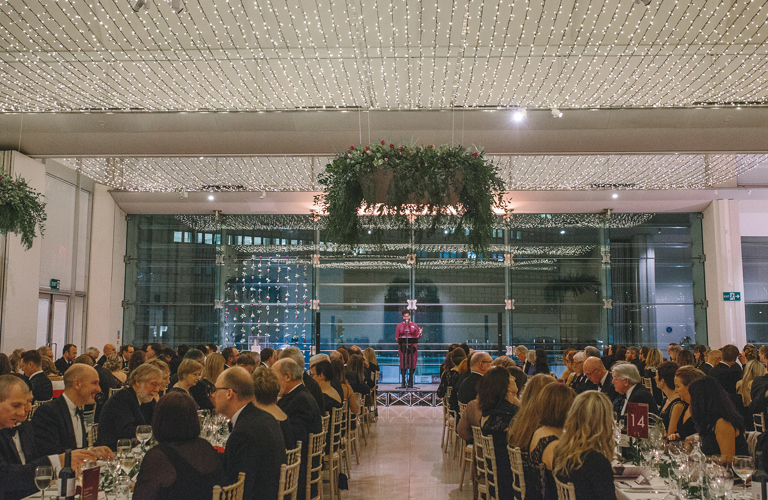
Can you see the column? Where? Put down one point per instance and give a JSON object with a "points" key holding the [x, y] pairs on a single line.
{"points": [[726, 322]]}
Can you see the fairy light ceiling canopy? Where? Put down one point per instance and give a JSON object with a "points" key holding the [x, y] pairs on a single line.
{"points": [[377, 54], [519, 172]]}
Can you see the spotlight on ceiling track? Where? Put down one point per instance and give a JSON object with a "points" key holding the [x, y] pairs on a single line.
{"points": [[518, 115], [644, 2], [177, 6], [556, 113], [137, 5]]}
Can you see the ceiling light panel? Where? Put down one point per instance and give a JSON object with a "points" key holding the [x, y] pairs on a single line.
{"points": [[380, 54]]}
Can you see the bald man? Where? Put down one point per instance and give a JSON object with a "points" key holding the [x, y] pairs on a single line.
{"points": [[60, 424], [600, 378], [479, 364], [108, 349]]}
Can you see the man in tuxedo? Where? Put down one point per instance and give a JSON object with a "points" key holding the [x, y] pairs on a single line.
{"points": [[579, 381], [130, 407], [626, 382], [93, 352], [633, 356], [109, 349], [313, 387], [126, 353], [42, 388], [230, 356], [521, 352], [69, 353], [268, 357], [18, 456], [713, 359], [255, 445], [153, 350], [599, 378], [480, 363], [301, 408], [59, 424], [727, 371], [249, 361]]}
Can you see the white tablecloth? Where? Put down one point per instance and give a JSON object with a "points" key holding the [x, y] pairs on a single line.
{"points": [[657, 490]]}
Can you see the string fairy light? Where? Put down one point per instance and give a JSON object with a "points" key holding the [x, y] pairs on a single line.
{"points": [[97, 55], [519, 172]]}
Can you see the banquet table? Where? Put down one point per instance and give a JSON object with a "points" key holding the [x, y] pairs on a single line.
{"points": [[657, 490]]}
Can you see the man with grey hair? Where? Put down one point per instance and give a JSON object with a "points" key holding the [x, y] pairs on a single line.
{"points": [[479, 364], [522, 354], [18, 455], [591, 351], [626, 381], [130, 407], [313, 387], [301, 408], [317, 358], [579, 381], [255, 445], [93, 352]]}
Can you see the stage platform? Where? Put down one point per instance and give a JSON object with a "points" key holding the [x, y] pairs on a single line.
{"points": [[420, 395]]}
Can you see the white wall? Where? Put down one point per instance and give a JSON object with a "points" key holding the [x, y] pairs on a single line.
{"points": [[22, 272], [106, 275], [753, 217]]}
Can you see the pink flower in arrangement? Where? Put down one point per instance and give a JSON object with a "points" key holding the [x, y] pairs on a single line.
{"points": [[349, 154], [385, 159], [367, 148], [352, 147], [392, 146], [382, 143], [400, 147], [430, 146], [474, 154]]}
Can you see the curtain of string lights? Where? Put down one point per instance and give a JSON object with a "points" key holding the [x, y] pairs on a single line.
{"points": [[380, 54], [524, 172]]}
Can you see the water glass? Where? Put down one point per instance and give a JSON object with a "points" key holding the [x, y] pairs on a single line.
{"points": [[144, 434], [743, 466], [43, 477], [123, 447]]}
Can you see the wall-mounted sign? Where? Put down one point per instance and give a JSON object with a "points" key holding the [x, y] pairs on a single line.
{"points": [[55, 284], [729, 296]]}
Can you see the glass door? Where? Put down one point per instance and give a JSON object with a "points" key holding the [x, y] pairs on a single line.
{"points": [[52, 320]]}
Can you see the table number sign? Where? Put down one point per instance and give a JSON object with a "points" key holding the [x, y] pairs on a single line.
{"points": [[91, 484], [637, 420]]}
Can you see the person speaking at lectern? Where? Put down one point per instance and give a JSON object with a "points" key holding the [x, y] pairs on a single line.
{"points": [[407, 335]]}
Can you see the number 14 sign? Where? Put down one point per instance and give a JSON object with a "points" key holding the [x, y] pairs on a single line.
{"points": [[637, 420]]}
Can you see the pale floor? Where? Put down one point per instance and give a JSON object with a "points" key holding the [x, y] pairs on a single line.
{"points": [[403, 459]]}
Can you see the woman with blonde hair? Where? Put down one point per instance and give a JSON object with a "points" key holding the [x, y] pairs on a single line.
{"points": [[214, 365], [555, 401], [568, 363], [652, 362], [752, 370], [584, 452]]}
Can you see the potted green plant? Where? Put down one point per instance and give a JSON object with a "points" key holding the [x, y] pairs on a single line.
{"points": [[450, 185], [21, 209]]}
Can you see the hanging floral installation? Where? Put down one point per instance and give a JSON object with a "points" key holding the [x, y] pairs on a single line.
{"points": [[22, 211]]}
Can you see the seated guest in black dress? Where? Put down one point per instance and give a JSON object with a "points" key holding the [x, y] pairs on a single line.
{"points": [[356, 374], [130, 407], [322, 373], [497, 400], [18, 454], [42, 388], [266, 387], [555, 400], [674, 407], [182, 466], [255, 445], [371, 366], [583, 455], [718, 423], [189, 374], [685, 376]]}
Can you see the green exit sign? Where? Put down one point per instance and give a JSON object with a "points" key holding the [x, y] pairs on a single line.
{"points": [[728, 296], [55, 284]]}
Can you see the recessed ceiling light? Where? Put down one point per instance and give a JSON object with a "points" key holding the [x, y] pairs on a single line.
{"points": [[518, 115], [614, 196], [562, 231], [210, 197]]}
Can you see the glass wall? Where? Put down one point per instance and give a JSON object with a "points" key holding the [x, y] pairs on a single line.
{"points": [[754, 254], [549, 280]]}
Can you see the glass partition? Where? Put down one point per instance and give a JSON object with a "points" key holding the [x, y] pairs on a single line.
{"points": [[547, 280], [754, 254]]}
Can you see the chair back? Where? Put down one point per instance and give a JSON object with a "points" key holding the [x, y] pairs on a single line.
{"points": [[565, 491], [89, 416], [759, 419], [491, 471], [462, 407], [326, 420], [289, 475], [93, 434], [231, 492], [647, 383], [294, 455], [482, 488], [337, 425], [315, 464], [113, 390], [447, 397], [518, 475], [35, 406]]}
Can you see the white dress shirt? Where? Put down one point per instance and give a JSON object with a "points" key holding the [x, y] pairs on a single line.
{"points": [[77, 426]]}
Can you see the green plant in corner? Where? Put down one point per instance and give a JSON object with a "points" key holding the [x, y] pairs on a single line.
{"points": [[21, 209], [449, 184]]}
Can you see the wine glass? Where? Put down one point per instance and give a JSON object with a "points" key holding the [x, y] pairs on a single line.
{"points": [[127, 462], [123, 447], [43, 477], [743, 466], [144, 434]]}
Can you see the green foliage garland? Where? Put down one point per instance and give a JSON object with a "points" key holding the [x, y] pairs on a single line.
{"points": [[414, 178], [21, 209]]}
